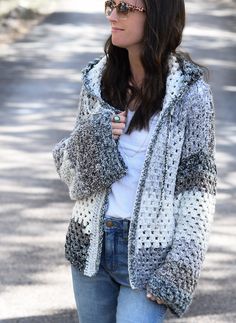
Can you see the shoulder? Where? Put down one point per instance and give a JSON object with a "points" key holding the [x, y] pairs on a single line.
{"points": [[198, 94], [186, 81], [193, 75], [91, 76], [200, 89], [95, 65], [199, 97]]}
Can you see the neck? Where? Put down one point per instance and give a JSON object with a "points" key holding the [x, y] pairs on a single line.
{"points": [[136, 67]]}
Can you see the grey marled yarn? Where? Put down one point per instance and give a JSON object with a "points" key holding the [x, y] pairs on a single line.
{"points": [[91, 169], [175, 198]]}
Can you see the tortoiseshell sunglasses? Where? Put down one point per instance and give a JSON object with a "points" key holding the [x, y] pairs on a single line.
{"points": [[122, 9]]}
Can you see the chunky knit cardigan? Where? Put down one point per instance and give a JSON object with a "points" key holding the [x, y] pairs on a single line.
{"points": [[175, 198]]}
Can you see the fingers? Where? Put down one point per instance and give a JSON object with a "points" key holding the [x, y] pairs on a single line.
{"points": [[123, 113], [117, 132], [118, 127], [151, 297], [156, 299], [159, 301], [122, 116]]}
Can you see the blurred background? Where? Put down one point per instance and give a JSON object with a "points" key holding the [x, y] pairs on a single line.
{"points": [[43, 47]]}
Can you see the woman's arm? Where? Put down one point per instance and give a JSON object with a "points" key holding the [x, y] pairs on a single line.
{"points": [[88, 161], [175, 281]]}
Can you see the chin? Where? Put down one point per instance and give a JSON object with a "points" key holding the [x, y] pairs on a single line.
{"points": [[118, 43], [129, 46]]}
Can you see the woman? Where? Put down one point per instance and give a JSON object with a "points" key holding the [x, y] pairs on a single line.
{"points": [[140, 165]]}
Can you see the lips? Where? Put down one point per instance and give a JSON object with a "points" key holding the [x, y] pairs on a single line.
{"points": [[116, 29]]}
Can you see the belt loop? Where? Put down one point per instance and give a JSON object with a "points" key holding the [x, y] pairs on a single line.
{"points": [[125, 228]]}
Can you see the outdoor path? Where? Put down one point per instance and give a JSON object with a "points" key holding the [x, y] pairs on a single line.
{"points": [[39, 87]]}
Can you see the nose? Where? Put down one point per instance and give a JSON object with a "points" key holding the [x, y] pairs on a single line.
{"points": [[113, 16]]}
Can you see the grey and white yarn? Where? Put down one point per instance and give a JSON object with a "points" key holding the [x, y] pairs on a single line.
{"points": [[175, 198]]}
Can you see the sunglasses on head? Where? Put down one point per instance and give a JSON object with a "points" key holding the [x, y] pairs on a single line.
{"points": [[122, 8]]}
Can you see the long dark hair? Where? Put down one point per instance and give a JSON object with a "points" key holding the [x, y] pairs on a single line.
{"points": [[165, 21]]}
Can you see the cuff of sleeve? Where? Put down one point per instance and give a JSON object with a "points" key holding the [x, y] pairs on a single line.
{"points": [[176, 299], [94, 156]]}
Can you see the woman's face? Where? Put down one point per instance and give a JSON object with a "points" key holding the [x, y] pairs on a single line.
{"points": [[127, 31]]}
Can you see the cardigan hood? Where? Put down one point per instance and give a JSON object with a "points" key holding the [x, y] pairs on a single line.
{"points": [[181, 74], [175, 197]]}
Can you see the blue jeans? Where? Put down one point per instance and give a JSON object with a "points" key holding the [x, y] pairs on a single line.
{"points": [[107, 297]]}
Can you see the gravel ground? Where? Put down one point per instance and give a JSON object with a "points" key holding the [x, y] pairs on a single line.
{"points": [[39, 82]]}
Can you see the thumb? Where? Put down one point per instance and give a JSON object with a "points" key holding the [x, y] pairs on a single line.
{"points": [[123, 113]]}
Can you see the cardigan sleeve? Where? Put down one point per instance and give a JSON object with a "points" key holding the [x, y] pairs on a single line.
{"points": [[88, 160], [194, 205]]}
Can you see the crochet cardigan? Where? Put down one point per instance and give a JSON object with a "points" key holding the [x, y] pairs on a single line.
{"points": [[175, 198]]}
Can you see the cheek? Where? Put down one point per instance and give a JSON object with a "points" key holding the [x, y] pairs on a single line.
{"points": [[136, 30], [132, 35], [126, 39], [137, 33]]}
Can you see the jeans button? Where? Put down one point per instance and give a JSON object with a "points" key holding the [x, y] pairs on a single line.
{"points": [[109, 224]]}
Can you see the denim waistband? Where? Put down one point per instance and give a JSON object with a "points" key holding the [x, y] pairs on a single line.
{"points": [[111, 223]]}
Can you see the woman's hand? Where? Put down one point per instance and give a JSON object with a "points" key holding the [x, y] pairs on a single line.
{"points": [[155, 299], [118, 127]]}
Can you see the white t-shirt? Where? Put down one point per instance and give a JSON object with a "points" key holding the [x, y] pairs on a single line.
{"points": [[133, 150]]}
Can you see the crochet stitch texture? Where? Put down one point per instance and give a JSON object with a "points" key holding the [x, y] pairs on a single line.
{"points": [[175, 198], [93, 171]]}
